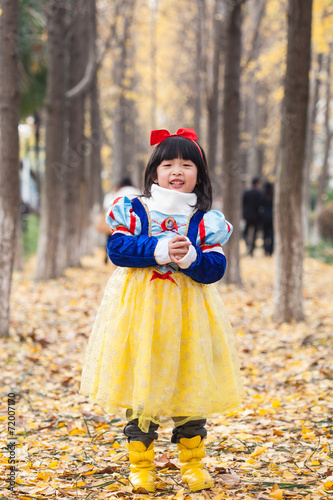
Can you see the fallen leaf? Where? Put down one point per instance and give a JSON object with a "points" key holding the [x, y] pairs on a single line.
{"points": [[276, 493]]}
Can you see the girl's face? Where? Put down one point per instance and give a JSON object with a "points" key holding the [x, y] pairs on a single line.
{"points": [[177, 174]]}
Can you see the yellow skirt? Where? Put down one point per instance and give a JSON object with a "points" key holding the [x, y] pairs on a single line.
{"points": [[162, 349]]}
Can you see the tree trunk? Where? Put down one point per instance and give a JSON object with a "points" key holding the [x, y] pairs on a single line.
{"points": [[288, 303], [199, 70], [324, 174], [254, 119], [213, 91], [50, 254], [18, 253], [92, 202], [310, 137], [125, 113], [231, 157], [153, 60], [93, 190], [9, 152], [77, 145]]}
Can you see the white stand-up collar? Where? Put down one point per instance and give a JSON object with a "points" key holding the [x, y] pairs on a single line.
{"points": [[168, 201]]}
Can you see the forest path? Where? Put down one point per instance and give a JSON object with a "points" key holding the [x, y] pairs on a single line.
{"points": [[276, 446]]}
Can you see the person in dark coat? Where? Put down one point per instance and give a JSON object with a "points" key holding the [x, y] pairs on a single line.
{"points": [[252, 201], [267, 218]]}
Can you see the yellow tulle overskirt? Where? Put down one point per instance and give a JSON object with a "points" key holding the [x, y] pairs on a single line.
{"points": [[161, 349]]}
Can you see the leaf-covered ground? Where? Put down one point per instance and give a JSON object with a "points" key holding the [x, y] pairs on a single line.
{"points": [[279, 445]]}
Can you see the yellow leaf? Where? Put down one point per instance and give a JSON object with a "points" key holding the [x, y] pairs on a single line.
{"points": [[328, 485], [76, 431], [305, 430], [80, 483], [258, 451], [276, 493], [44, 476], [250, 461], [89, 472], [264, 411], [111, 452], [276, 403], [116, 445], [311, 436], [53, 464], [180, 495], [113, 487]]}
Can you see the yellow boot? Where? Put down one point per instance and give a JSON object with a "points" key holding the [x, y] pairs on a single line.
{"points": [[191, 453], [142, 465]]}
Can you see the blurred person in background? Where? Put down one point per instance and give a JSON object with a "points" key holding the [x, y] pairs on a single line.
{"points": [[252, 203]]}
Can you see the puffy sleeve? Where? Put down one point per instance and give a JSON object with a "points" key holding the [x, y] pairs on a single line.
{"points": [[122, 219], [214, 231], [127, 247], [209, 262]]}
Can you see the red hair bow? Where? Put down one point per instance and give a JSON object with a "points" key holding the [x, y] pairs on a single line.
{"points": [[158, 136]]}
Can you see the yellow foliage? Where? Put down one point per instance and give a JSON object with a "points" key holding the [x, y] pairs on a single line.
{"points": [[322, 25]]}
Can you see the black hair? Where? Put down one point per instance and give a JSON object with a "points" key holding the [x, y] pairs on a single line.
{"points": [[180, 147], [126, 181], [255, 181]]}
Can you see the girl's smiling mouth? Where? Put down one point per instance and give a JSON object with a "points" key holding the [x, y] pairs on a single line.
{"points": [[177, 183]]}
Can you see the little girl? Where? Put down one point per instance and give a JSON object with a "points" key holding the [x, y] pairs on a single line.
{"points": [[162, 344]]}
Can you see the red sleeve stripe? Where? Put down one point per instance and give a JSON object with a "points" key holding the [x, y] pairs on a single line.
{"points": [[202, 232], [132, 224], [206, 247], [113, 204], [229, 228], [123, 229]]}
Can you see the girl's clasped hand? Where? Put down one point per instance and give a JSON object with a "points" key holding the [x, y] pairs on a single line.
{"points": [[178, 247], [162, 345]]}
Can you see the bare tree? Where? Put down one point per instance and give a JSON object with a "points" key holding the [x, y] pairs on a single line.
{"points": [[288, 303], [9, 152], [200, 65], [77, 146], [254, 111], [92, 172], [125, 113], [231, 159], [213, 87], [50, 254]]}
